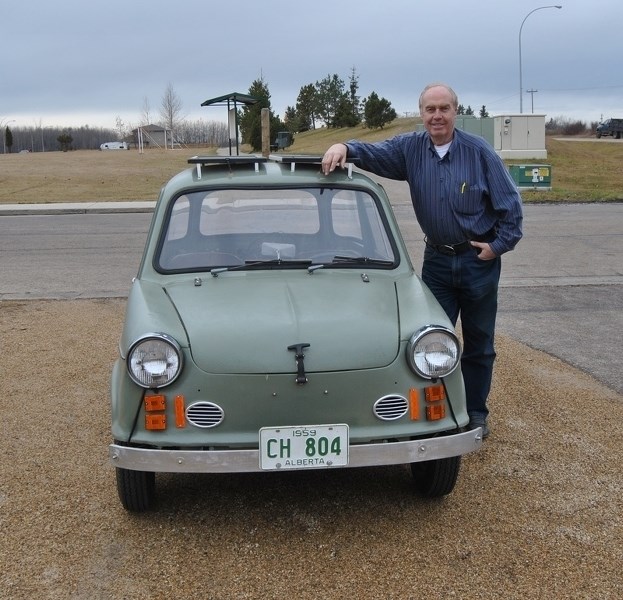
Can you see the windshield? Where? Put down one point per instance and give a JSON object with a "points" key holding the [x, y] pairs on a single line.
{"points": [[278, 227]]}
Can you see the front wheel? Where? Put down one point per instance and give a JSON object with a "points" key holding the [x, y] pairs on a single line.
{"points": [[435, 478], [136, 489]]}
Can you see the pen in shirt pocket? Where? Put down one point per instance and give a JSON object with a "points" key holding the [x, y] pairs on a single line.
{"points": [[463, 186]]}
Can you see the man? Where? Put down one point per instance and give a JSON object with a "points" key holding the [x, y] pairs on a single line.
{"points": [[470, 211]]}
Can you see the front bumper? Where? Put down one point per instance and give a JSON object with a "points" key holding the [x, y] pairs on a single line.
{"points": [[241, 461]]}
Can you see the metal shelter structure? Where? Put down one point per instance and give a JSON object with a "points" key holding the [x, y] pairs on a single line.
{"points": [[231, 101]]}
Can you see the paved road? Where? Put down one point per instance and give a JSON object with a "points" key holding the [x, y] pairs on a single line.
{"points": [[562, 288]]}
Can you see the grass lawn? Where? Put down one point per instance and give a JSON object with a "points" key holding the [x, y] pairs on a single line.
{"points": [[582, 169]]}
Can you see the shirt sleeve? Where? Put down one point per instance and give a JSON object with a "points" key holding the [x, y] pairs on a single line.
{"points": [[385, 159], [506, 203]]}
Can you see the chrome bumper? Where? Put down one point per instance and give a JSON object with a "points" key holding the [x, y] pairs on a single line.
{"points": [[240, 461]]}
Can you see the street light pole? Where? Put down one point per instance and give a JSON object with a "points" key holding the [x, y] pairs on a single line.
{"points": [[520, 71]]}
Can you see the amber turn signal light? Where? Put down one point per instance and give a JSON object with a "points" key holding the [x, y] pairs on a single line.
{"points": [[435, 412], [154, 402], [414, 404], [155, 422], [180, 413], [435, 393]]}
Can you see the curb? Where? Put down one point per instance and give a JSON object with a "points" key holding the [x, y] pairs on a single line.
{"points": [[76, 208]]}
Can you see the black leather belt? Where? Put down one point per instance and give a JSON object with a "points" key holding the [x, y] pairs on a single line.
{"points": [[451, 249]]}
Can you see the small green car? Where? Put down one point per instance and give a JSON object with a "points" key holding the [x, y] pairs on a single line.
{"points": [[276, 323]]}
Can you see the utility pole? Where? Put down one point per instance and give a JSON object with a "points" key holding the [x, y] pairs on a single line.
{"points": [[532, 92]]}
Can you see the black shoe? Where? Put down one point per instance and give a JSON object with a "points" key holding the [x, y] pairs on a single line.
{"points": [[476, 422]]}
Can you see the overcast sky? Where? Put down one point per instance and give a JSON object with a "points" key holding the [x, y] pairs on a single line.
{"points": [[85, 62]]}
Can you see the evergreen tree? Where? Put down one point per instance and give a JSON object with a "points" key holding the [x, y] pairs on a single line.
{"points": [[353, 100], [336, 106], [291, 120], [65, 140], [483, 112], [330, 96], [8, 139], [344, 116], [307, 107], [250, 119], [378, 111]]}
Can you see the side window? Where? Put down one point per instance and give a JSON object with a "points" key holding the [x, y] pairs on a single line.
{"points": [[178, 222], [355, 216], [345, 214]]}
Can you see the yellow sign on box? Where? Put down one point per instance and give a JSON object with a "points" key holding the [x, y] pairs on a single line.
{"points": [[539, 172]]}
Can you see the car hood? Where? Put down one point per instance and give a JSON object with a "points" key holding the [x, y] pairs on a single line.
{"points": [[244, 322]]}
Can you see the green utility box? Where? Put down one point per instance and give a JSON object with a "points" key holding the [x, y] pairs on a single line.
{"points": [[532, 177]]}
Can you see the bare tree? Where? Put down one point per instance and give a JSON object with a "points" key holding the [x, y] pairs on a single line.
{"points": [[170, 108], [146, 113], [120, 125]]}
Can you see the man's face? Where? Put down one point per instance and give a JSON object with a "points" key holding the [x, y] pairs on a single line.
{"points": [[439, 114]]}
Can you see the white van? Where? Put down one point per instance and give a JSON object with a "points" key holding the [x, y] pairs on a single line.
{"points": [[114, 146]]}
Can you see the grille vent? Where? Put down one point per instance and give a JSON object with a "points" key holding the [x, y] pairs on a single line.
{"points": [[205, 414], [390, 408]]}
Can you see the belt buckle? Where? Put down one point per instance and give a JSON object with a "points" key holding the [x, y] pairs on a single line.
{"points": [[449, 249]]}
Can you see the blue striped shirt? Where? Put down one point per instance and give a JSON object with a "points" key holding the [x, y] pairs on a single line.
{"points": [[466, 195]]}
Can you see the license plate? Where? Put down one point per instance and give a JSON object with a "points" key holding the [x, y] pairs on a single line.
{"points": [[304, 447]]}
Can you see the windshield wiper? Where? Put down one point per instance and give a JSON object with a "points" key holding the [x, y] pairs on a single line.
{"points": [[361, 260], [271, 262], [279, 262]]}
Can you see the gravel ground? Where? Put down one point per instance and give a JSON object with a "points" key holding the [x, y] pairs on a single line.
{"points": [[537, 513]]}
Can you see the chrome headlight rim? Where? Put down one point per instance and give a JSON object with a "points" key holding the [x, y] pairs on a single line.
{"points": [[159, 337], [417, 337]]}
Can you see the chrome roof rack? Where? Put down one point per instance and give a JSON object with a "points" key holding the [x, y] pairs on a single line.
{"points": [[310, 159], [305, 159], [247, 159], [252, 159]]}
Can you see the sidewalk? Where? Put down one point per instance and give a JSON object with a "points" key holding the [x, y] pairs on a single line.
{"points": [[76, 208]]}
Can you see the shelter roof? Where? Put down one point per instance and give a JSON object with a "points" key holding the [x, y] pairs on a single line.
{"points": [[236, 97]]}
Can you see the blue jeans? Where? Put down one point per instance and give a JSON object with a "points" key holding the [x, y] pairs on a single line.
{"points": [[466, 286]]}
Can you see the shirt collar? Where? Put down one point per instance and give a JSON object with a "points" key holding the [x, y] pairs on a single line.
{"points": [[455, 140]]}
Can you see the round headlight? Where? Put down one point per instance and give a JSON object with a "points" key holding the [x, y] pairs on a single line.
{"points": [[433, 352], [154, 360]]}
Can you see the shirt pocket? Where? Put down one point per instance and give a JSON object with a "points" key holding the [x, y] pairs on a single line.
{"points": [[470, 200]]}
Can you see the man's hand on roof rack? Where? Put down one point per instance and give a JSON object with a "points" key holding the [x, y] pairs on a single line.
{"points": [[334, 157]]}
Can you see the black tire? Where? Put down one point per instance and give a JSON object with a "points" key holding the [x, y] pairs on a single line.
{"points": [[618, 135], [435, 478], [136, 489], [598, 135]]}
